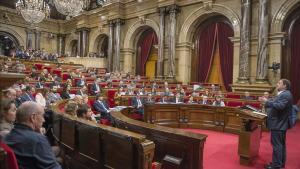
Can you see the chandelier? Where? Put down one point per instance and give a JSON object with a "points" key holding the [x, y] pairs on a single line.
{"points": [[33, 11], [70, 8]]}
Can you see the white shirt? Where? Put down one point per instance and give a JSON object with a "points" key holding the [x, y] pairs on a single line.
{"points": [[40, 99], [280, 92]]}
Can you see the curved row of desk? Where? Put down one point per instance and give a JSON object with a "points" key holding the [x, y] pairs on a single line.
{"points": [[135, 144]]}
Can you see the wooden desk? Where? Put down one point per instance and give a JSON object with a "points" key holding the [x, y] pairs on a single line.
{"points": [[176, 143], [223, 119]]}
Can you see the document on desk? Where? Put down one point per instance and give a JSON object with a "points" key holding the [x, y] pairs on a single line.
{"points": [[256, 112]]}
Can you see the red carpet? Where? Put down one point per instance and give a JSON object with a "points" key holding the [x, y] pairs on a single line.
{"points": [[220, 150]]}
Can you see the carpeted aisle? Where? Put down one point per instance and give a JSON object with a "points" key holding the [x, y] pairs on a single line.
{"points": [[220, 150]]}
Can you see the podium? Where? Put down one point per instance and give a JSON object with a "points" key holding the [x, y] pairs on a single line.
{"points": [[250, 135]]}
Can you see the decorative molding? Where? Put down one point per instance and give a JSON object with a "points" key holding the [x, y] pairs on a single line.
{"points": [[193, 18], [280, 16]]}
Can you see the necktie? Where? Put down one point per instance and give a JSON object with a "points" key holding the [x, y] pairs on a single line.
{"points": [[103, 106], [30, 99], [139, 103]]}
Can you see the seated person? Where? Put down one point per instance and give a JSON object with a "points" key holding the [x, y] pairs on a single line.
{"points": [[71, 108], [40, 84], [219, 93], [141, 91], [191, 100], [130, 91], [165, 99], [167, 92], [40, 98], [218, 102], [247, 96], [153, 91], [149, 99], [195, 94], [85, 100], [204, 101], [82, 91], [101, 106], [266, 95], [207, 93], [182, 93], [96, 88], [66, 92], [177, 99], [118, 96], [84, 113], [7, 116], [80, 82], [53, 96], [31, 148], [28, 95], [138, 104], [178, 88], [55, 84]]}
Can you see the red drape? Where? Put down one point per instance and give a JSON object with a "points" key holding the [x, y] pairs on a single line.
{"points": [[148, 40], [216, 32], [226, 53], [206, 45], [295, 73]]}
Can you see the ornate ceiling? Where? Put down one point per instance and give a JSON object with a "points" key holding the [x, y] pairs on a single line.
{"points": [[54, 13]]}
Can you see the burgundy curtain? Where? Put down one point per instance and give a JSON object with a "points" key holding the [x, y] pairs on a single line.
{"points": [[226, 52], [206, 45], [149, 39], [295, 73]]}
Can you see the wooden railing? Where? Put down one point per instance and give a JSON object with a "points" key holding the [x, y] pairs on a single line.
{"points": [[88, 145]]}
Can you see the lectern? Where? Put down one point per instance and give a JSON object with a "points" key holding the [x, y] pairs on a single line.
{"points": [[250, 135]]}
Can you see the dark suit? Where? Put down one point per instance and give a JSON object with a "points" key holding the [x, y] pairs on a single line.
{"points": [[27, 97], [279, 109], [80, 83], [39, 85], [79, 92], [102, 107], [179, 100], [65, 95], [135, 104], [95, 89]]}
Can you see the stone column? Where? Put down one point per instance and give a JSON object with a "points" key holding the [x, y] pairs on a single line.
{"points": [[61, 40], [85, 41], [79, 44], [172, 40], [110, 46], [116, 61], [262, 52], [37, 39], [29, 39], [161, 44], [128, 55], [245, 42]]}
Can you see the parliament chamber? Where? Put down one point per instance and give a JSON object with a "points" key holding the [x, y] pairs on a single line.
{"points": [[147, 84]]}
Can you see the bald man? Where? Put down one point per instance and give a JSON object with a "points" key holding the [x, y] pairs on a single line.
{"points": [[31, 148]]}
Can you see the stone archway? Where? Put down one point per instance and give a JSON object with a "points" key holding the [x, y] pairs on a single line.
{"points": [[281, 15], [100, 45], [73, 48], [130, 42], [185, 41], [19, 40]]}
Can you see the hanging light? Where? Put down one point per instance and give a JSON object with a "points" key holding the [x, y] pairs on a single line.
{"points": [[33, 11], [70, 8]]}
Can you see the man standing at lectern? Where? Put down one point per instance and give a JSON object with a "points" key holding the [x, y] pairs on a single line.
{"points": [[278, 112]]}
